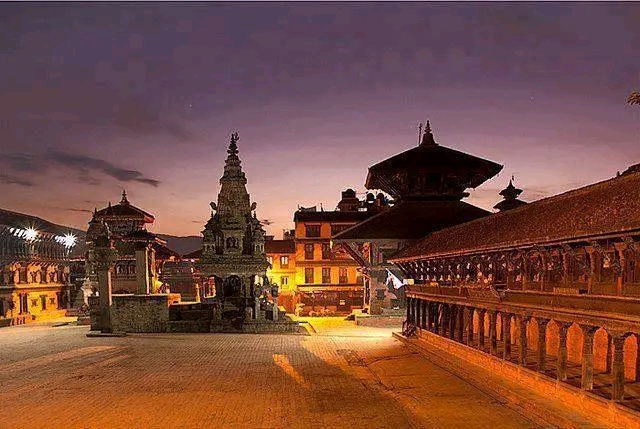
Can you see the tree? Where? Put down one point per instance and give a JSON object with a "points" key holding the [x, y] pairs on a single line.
{"points": [[634, 98]]}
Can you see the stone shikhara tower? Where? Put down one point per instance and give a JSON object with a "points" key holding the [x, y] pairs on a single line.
{"points": [[233, 244]]}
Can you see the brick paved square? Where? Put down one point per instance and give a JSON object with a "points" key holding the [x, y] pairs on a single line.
{"points": [[340, 377]]}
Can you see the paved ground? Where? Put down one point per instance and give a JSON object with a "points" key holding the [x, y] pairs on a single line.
{"points": [[343, 376]]}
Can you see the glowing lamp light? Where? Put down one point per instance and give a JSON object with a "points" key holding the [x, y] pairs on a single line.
{"points": [[69, 240], [30, 234]]}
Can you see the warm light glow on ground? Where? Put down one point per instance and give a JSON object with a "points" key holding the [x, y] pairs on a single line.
{"points": [[283, 362]]}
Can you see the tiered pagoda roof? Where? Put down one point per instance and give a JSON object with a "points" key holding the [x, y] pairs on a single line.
{"points": [[598, 210], [430, 171], [427, 183], [124, 210], [510, 195]]}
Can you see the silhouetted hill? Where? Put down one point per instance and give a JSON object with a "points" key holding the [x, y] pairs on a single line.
{"points": [[182, 245]]}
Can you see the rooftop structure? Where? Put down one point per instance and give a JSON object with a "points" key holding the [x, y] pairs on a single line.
{"points": [[427, 183]]}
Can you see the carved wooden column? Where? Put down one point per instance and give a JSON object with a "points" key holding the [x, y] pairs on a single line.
{"points": [[588, 332], [506, 335], [523, 321], [622, 277], [617, 367], [481, 313], [563, 328], [408, 310], [493, 343], [542, 343], [594, 265], [443, 320], [429, 314], [567, 255], [452, 321], [418, 307], [470, 311], [461, 324]]}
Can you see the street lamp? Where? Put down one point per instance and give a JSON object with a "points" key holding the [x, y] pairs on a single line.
{"points": [[30, 234]]}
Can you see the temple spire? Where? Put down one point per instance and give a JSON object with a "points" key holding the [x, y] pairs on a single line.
{"points": [[124, 199], [427, 137]]}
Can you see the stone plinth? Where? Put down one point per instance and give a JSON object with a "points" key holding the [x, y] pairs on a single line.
{"points": [[200, 317], [135, 313]]}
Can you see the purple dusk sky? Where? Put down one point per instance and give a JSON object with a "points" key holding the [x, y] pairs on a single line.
{"points": [[100, 97]]}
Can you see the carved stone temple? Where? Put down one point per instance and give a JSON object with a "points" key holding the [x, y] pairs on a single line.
{"points": [[233, 257], [233, 243]]}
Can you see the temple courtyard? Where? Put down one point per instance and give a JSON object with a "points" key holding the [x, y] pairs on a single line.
{"points": [[339, 376]]}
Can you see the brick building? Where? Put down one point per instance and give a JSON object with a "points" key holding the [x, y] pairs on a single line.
{"points": [[36, 261], [329, 280]]}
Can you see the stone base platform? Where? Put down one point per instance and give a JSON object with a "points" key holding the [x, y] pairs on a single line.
{"points": [[248, 327], [199, 318], [94, 334]]}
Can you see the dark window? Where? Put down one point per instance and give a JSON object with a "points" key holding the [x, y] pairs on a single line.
{"points": [[313, 230], [284, 262], [343, 276], [308, 251], [132, 269], [43, 302], [326, 275], [335, 229], [308, 275], [284, 280], [326, 251]]}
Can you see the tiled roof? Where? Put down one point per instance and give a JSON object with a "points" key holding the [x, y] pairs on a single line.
{"points": [[25, 221], [331, 216], [410, 220], [125, 211], [279, 246], [608, 207], [434, 157], [9, 219]]}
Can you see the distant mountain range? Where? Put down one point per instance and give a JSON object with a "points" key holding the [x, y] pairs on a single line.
{"points": [[182, 245]]}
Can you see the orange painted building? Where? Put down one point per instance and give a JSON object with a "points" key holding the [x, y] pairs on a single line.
{"points": [[327, 280]]}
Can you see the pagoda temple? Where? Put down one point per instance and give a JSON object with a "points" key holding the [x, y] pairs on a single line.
{"points": [[233, 245], [510, 195], [427, 184], [140, 252]]}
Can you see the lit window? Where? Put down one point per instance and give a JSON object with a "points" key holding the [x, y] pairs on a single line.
{"points": [[284, 261], [342, 274], [326, 275]]}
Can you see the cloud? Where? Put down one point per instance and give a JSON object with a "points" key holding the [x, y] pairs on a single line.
{"points": [[24, 162], [86, 164], [12, 180]]}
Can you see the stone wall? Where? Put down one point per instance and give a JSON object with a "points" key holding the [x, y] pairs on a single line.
{"points": [[141, 313], [605, 410]]}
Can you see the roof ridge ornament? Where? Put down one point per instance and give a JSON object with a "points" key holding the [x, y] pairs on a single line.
{"points": [[124, 199], [427, 137]]}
